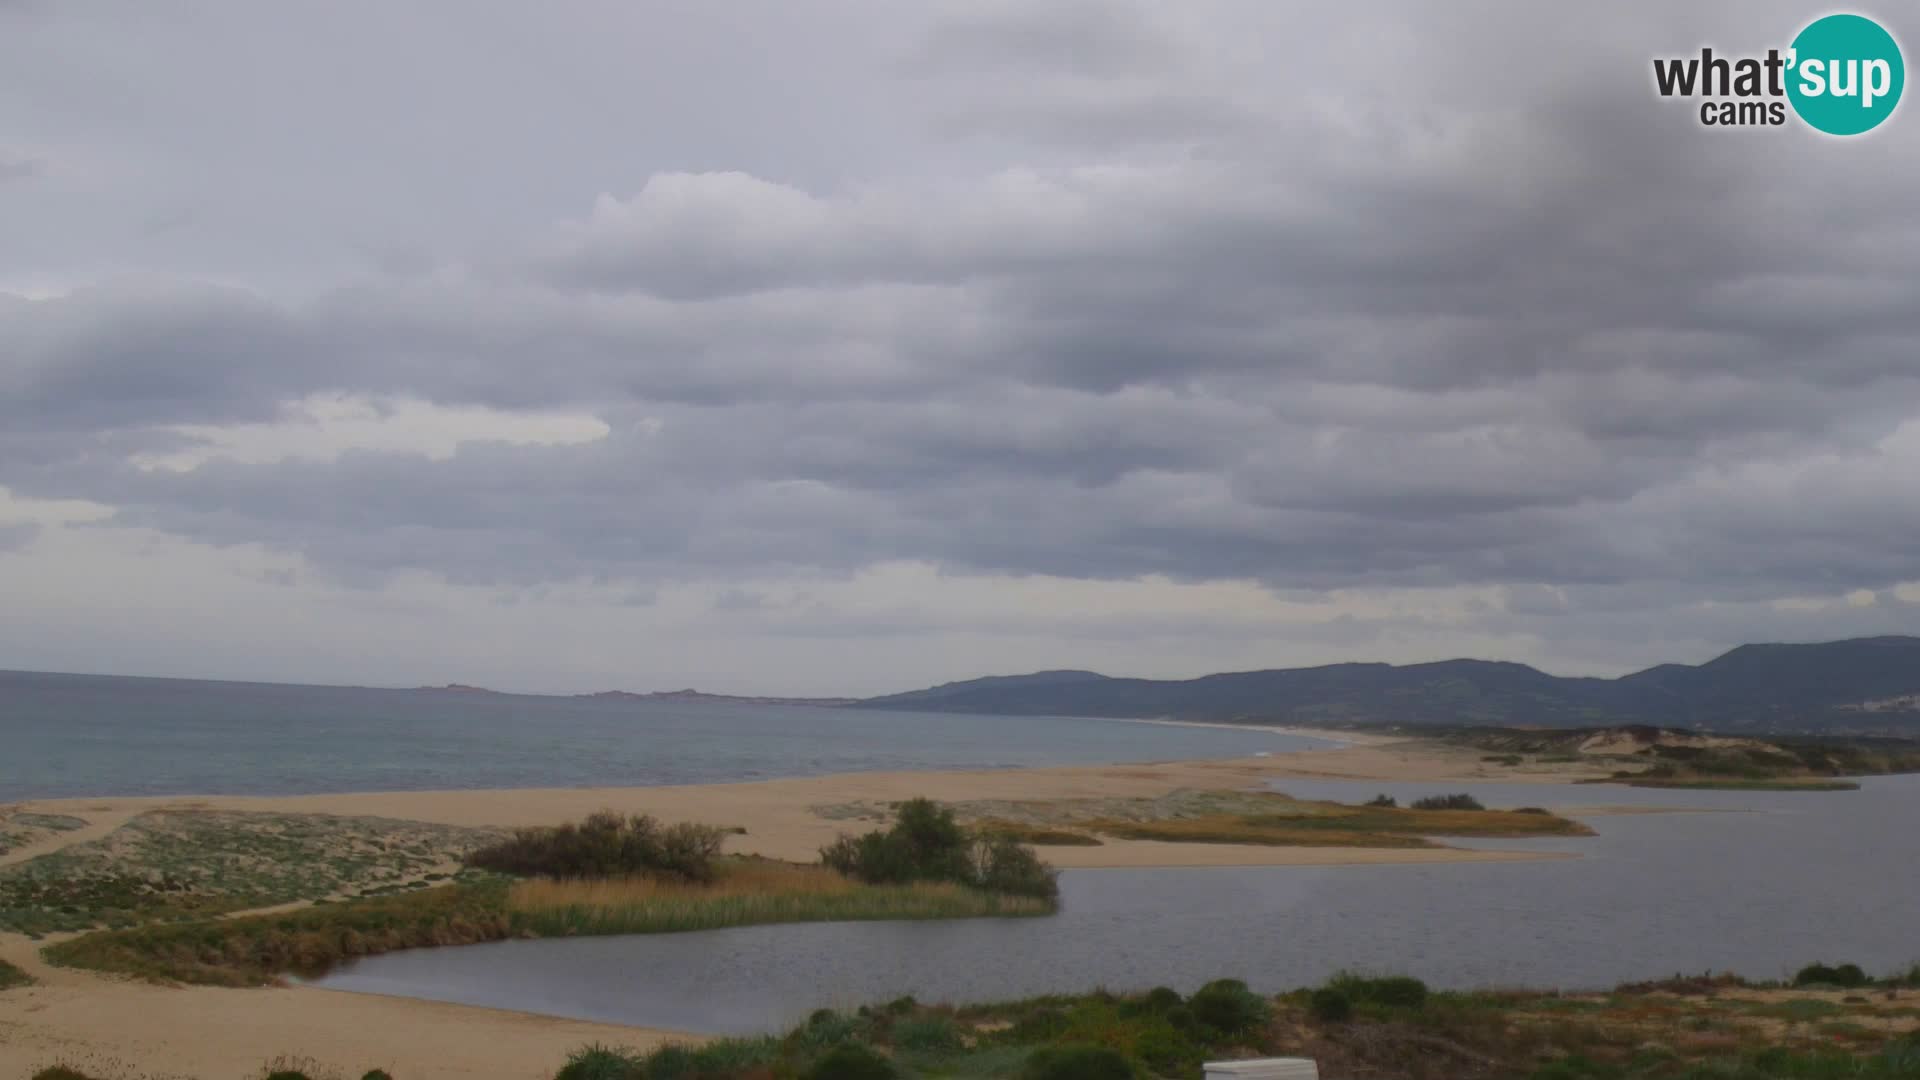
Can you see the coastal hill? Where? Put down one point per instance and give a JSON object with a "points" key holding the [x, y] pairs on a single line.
{"points": [[1855, 687]]}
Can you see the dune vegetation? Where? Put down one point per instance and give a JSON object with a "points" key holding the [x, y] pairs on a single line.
{"points": [[1353, 1026], [11, 976], [1709, 1028], [607, 875]]}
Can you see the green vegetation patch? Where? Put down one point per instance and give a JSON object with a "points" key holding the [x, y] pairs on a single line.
{"points": [[1248, 817], [606, 845], [11, 976], [18, 828], [174, 865], [252, 950], [926, 843]]}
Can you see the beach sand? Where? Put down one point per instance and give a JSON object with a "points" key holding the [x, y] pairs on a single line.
{"points": [[211, 1034]]}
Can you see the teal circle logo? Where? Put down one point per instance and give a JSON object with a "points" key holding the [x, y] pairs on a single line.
{"points": [[1846, 74]]}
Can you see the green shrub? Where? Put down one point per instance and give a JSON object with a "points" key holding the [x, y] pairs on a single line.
{"points": [[1845, 975], [1166, 1050], [1330, 1006], [1383, 800], [597, 1062], [1077, 1063], [60, 1072], [1390, 991], [376, 1074], [927, 1035], [1448, 802], [826, 1029], [852, 1061], [925, 843], [1227, 1006], [1162, 998], [670, 1062], [606, 845], [726, 1057]]}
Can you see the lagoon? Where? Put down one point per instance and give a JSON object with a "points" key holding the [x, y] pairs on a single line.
{"points": [[1772, 881]]}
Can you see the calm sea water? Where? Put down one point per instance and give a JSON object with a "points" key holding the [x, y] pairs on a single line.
{"points": [[77, 735], [1787, 879]]}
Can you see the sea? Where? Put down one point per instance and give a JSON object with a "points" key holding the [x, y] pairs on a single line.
{"points": [[88, 735]]}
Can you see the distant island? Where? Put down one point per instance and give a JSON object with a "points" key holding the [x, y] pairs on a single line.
{"points": [[689, 695], [718, 699]]}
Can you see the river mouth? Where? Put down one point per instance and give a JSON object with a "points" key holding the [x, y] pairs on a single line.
{"points": [[1804, 877]]}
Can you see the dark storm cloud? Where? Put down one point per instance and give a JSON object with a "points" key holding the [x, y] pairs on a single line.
{"points": [[1368, 323]]}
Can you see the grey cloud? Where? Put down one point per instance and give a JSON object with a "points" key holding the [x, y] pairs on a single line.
{"points": [[1369, 318]]}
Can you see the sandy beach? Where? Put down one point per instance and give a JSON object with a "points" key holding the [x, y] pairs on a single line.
{"points": [[209, 1033]]}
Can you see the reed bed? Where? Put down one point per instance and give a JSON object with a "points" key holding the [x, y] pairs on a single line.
{"points": [[744, 894]]}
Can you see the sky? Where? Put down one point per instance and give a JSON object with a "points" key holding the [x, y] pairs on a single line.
{"points": [[850, 346]]}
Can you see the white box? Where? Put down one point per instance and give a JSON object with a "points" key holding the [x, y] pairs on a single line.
{"points": [[1265, 1069]]}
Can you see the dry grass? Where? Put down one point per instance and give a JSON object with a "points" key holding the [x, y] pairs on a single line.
{"points": [[1288, 822], [746, 892], [1025, 833]]}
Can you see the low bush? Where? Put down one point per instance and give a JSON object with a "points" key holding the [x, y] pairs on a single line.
{"points": [[1228, 1007], [1330, 1006], [933, 1034], [1077, 1063], [1461, 801], [606, 845], [376, 1074], [1387, 991], [1845, 975], [851, 1061], [1386, 801], [925, 843], [597, 1062]]}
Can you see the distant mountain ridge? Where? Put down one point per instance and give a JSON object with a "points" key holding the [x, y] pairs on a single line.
{"points": [[1858, 686]]}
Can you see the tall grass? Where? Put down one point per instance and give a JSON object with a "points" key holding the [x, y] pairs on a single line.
{"points": [[744, 894]]}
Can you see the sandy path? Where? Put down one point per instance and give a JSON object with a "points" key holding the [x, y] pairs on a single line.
{"points": [[100, 818]]}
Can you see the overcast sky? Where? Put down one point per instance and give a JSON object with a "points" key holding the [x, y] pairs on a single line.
{"points": [[850, 346]]}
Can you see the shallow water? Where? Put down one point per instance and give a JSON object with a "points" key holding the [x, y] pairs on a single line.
{"points": [[77, 735], [1796, 877]]}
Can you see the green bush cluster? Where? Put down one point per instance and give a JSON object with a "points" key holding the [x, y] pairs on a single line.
{"points": [[1330, 1006], [1844, 975], [606, 844], [1461, 801], [1382, 800], [1077, 1063], [925, 843], [1228, 1007], [722, 1057], [1385, 991]]}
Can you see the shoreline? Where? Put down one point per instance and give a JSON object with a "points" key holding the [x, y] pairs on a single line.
{"points": [[784, 818]]}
